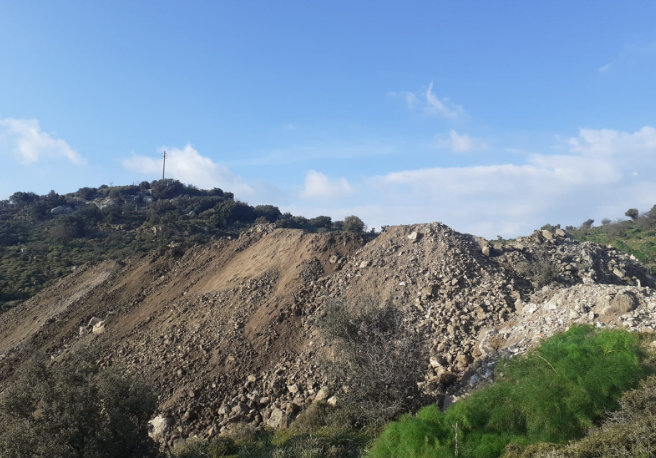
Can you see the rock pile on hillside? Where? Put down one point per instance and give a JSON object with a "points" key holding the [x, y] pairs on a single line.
{"points": [[229, 331]]}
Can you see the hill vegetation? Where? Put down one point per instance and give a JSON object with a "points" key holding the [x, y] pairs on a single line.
{"points": [[43, 238], [551, 394]]}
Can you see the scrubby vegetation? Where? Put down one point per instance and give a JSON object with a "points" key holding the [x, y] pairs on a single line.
{"points": [[295, 442], [377, 360], [627, 432], [43, 238], [553, 394], [73, 409]]}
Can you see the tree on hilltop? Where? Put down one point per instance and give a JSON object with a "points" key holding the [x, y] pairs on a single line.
{"points": [[353, 224], [632, 213]]}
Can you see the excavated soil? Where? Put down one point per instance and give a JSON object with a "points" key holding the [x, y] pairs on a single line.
{"points": [[228, 331]]}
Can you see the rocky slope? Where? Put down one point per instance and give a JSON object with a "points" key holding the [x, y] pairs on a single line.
{"points": [[228, 330]]}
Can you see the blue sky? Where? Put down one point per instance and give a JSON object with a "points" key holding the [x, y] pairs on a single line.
{"points": [[492, 117]]}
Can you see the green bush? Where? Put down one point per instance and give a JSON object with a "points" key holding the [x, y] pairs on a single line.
{"points": [[221, 446], [551, 394], [627, 432], [73, 409], [353, 224]]}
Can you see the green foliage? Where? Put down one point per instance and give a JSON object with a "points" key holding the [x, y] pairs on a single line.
{"points": [[627, 432], [73, 409], [322, 221], [37, 247], [552, 394], [632, 213], [290, 443], [221, 446], [269, 212], [353, 224], [587, 224]]}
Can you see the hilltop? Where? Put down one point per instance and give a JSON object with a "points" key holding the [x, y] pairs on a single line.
{"points": [[44, 238]]}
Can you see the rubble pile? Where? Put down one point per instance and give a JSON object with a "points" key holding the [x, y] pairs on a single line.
{"points": [[229, 331]]}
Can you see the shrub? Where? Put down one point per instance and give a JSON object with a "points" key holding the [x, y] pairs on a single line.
{"points": [[353, 224], [587, 224], [221, 446], [191, 448], [376, 358], [632, 213], [629, 431], [551, 394], [321, 221], [75, 410]]}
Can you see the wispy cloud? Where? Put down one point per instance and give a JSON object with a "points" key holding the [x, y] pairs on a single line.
{"points": [[605, 68], [430, 103], [631, 54], [290, 126], [319, 185], [25, 138], [189, 166], [463, 143], [442, 107]]}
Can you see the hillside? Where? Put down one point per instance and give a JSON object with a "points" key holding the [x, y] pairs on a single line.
{"points": [[228, 330], [44, 238]]}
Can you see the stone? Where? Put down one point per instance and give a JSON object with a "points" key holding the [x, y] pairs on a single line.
{"points": [[189, 415], [547, 235], [159, 427], [437, 361], [322, 395], [240, 409], [561, 233], [332, 401], [414, 236], [622, 303], [278, 419], [486, 250], [364, 264], [293, 388], [98, 328]]}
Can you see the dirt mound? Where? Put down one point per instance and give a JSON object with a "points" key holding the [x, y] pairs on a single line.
{"points": [[228, 329]]}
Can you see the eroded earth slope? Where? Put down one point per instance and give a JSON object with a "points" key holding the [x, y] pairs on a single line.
{"points": [[228, 332]]}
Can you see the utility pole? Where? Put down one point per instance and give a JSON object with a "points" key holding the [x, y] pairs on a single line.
{"points": [[163, 164]]}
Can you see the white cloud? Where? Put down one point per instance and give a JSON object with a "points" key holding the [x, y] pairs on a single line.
{"points": [[605, 68], [29, 143], [319, 185], [593, 178], [464, 143], [611, 142], [441, 107], [189, 166], [430, 103]]}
